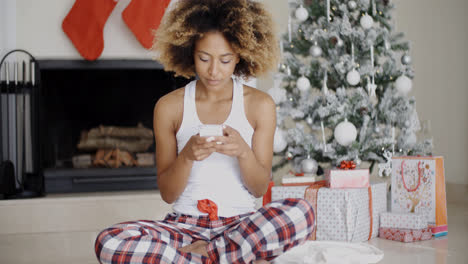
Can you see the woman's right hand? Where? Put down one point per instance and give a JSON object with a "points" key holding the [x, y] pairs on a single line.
{"points": [[198, 148]]}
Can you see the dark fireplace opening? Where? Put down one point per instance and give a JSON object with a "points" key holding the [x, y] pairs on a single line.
{"points": [[105, 95]]}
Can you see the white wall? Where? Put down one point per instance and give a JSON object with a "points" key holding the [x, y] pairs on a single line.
{"points": [[39, 30], [439, 34], [7, 26], [437, 30]]}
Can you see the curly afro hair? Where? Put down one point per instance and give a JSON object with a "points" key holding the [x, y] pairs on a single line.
{"points": [[245, 24]]}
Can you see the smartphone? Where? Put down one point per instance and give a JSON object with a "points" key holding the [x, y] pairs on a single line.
{"points": [[211, 130]]}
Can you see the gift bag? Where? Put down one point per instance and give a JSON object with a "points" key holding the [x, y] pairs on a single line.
{"points": [[418, 186]]}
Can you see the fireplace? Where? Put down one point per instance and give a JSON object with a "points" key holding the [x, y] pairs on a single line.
{"points": [[77, 96]]}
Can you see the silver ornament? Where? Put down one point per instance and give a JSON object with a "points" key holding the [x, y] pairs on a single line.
{"points": [[352, 5], [406, 59], [309, 120], [309, 166]]}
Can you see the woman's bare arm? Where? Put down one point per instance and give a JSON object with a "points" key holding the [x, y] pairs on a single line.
{"points": [[174, 169], [255, 163]]}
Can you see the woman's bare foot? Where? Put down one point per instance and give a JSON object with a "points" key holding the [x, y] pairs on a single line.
{"points": [[198, 247]]}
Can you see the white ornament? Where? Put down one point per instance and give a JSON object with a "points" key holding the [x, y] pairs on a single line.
{"points": [[324, 83], [371, 87], [323, 137], [410, 139], [309, 120], [387, 45], [403, 85], [278, 94], [309, 166], [353, 77], [315, 50], [302, 14], [358, 161], [345, 133], [352, 5], [339, 43], [303, 84], [279, 142], [366, 21]]}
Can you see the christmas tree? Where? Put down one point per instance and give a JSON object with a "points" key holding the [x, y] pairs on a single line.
{"points": [[343, 84]]}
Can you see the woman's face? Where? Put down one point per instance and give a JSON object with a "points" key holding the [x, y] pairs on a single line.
{"points": [[215, 60]]}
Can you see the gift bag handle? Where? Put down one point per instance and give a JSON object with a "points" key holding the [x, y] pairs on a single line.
{"points": [[419, 177]]}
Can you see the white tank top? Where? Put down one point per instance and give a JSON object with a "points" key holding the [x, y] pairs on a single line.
{"points": [[217, 177]]}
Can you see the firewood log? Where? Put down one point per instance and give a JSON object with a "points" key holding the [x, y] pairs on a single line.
{"points": [[110, 143], [121, 132]]}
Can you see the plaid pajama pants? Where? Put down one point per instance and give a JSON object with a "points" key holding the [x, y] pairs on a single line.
{"points": [[264, 234]]}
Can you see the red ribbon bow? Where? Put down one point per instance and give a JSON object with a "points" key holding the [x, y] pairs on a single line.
{"points": [[209, 207], [347, 165]]}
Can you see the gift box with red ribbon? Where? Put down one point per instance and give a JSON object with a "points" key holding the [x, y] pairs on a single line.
{"points": [[347, 176], [350, 214]]}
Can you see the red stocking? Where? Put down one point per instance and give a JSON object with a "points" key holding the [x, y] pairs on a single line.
{"points": [[144, 16], [84, 26]]}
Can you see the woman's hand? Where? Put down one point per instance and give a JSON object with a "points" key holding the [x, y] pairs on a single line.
{"points": [[231, 144], [198, 148]]}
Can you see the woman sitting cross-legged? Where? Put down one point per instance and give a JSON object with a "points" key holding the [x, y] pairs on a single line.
{"points": [[213, 181]]}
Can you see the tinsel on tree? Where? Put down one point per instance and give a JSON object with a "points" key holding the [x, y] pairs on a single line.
{"points": [[343, 84]]}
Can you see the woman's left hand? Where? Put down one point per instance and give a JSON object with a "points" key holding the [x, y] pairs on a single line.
{"points": [[232, 143]]}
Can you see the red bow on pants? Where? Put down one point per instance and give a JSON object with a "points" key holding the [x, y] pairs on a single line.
{"points": [[209, 207]]}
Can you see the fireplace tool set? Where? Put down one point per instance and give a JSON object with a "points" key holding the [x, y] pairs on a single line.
{"points": [[19, 174]]}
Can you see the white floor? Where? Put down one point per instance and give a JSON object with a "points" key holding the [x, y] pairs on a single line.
{"points": [[62, 229]]}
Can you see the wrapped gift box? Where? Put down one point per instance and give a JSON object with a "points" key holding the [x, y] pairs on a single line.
{"points": [[405, 235], [403, 220], [357, 178], [342, 214], [283, 192]]}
